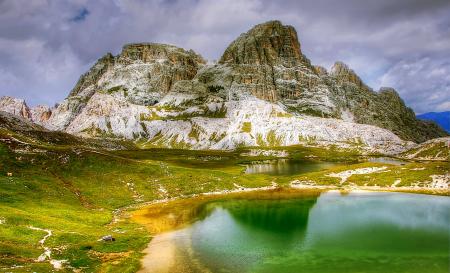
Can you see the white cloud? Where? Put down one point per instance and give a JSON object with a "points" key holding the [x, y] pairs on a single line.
{"points": [[424, 83], [38, 71]]}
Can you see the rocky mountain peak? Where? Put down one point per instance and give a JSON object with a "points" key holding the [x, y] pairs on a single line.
{"points": [[155, 52], [344, 74], [39, 114], [268, 43], [92, 76], [170, 62]]}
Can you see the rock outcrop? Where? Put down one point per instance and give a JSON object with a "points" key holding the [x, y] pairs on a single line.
{"points": [[262, 92], [343, 74], [384, 108], [434, 149], [270, 43], [15, 106], [39, 114]]}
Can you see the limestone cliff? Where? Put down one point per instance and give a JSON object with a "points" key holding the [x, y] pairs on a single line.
{"points": [[267, 62], [142, 73], [384, 108], [15, 106]]}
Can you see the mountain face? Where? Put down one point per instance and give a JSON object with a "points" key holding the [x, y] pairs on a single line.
{"points": [[142, 74], [262, 92], [441, 118], [39, 114], [384, 108]]}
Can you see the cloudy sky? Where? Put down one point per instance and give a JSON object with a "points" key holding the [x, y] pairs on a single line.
{"points": [[45, 45]]}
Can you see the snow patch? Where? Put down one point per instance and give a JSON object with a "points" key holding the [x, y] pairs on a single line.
{"points": [[396, 182], [347, 174], [259, 152], [440, 181]]}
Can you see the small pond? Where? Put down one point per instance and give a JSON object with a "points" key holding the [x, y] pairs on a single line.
{"points": [[295, 166], [387, 160], [286, 166]]}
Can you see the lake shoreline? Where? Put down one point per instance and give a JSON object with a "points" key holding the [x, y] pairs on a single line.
{"points": [[263, 193], [413, 190]]}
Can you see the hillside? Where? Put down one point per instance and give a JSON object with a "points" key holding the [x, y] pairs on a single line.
{"points": [[435, 149]]}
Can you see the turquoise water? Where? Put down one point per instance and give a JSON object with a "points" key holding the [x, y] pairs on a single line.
{"points": [[358, 232]]}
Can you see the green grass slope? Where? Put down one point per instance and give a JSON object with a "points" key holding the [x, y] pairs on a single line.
{"points": [[74, 188]]}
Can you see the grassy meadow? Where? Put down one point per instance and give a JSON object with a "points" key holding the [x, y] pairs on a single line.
{"points": [[78, 192]]}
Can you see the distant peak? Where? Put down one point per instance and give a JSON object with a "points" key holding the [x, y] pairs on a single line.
{"points": [[343, 73], [15, 106]]}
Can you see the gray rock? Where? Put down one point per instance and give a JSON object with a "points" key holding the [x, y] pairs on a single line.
{"points": [[108, 238]]}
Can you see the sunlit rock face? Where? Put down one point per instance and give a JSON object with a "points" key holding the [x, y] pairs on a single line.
{"points": [[267, 62], [15, 106], [262, 92], [39, 114], [141, 73]]}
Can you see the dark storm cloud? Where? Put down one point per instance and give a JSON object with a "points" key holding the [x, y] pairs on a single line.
{"points": [[46, 44]]}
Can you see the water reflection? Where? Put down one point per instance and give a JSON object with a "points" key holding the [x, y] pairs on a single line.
{"points": [[286, 166], [275, 216], [387, 160]]}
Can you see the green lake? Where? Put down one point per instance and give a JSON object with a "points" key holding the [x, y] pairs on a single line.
{"points": [[333, 232]]}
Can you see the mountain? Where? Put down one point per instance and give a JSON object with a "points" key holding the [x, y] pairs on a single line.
{"points": [[263, 92], [441, 118]]}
